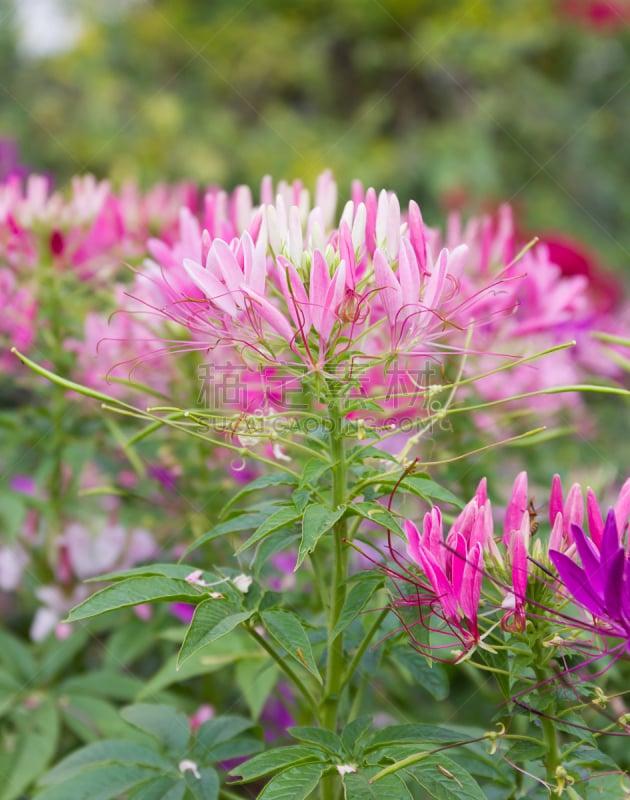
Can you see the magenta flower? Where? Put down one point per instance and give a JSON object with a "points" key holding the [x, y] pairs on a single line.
{"points": [[453, 568], [601, 586]]}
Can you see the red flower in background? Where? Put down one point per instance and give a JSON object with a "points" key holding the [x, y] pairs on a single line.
{"points": [[600, 14]]}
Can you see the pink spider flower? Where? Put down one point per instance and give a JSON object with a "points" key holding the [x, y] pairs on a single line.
{"points": [[453, 568]]}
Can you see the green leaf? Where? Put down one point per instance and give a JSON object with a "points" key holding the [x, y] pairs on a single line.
{"points": [[220, 653], [356, 600], [212, 619], [177, 571], [317, 520], [169, 726], [92, 718], [107, 752], [285, 627], [132, 592], [256, 679], [394, 734], [30, 751], [221, 729], [103, 782], [59, 656], [281, 519], [264, 482], [357, 786], [431, 676], [274, 543], [276, 759], [162, 788], [242, 522], [204, 788], [444, 779], [429, 490], [17, 658], [312, 472], [377, 513], [354, 732], [295, 783], [103, 683], [321, 737]]}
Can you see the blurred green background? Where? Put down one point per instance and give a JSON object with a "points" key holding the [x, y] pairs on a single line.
{"points": [[458, 104]]}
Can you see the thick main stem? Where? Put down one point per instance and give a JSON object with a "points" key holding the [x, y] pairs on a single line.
{"points": [[333, 679], [550, 736]]}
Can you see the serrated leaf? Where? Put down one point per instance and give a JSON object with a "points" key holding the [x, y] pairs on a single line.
{"points": [[321, 737], [167, 725], [103, 782], [106, 752], [280, 519], [318, 519], [285, 627], [31, 750], [356, 600], [212, 619], [132, 592], [378, 514], [295, 783], [442, 778], [356, 786], [273, 760]]}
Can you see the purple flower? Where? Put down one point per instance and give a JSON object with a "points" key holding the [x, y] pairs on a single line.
{"points": [[601, 586]]}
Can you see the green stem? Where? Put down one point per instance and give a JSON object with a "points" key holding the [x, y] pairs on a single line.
{"points": [[334, 675], [552, 757], [282, 663], [356, 659]]}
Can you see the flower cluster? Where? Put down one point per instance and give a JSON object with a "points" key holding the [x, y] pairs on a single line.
{"points": [[535, 580]]}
